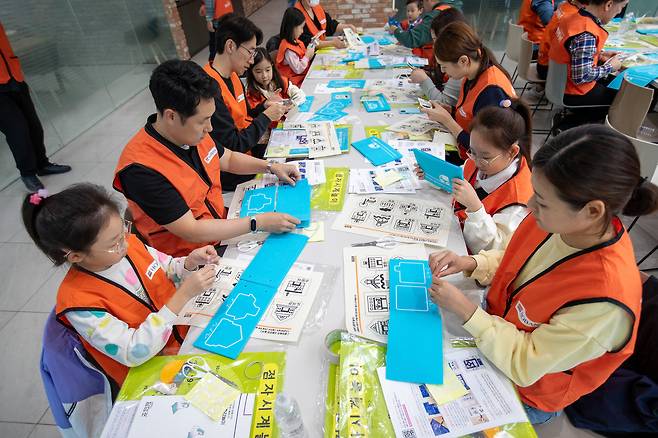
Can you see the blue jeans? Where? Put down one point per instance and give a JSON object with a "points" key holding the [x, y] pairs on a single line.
{"points": [[535, 416]]}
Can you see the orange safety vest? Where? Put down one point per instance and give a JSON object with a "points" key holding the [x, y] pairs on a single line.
{"points": [[492, 76], [255, 97], [236, 106], [531, 22], [427, 51], [222, 7], [85, 290], [568, 28], [310, 26], [565, 9], [300, 50], [205, 202], [10, 66], [515, 191], [603, 273]]}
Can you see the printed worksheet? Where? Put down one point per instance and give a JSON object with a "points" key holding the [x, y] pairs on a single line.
{"points": [[416, 124], [286, 315], [490, 402], [366, 287], [389, 215], [322, 138], [365, 181]]}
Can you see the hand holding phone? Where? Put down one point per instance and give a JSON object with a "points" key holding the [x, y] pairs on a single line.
{"points": [[424, 103]]}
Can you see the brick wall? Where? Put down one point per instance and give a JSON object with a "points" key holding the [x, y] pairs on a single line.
{"points": [[361, 13], [251, 6]]}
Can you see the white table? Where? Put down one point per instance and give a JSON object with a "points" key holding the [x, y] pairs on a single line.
{"points": [[304, 361]]}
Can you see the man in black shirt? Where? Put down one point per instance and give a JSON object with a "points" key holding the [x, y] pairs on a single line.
{"points": [[236, 126], [170, 170]]}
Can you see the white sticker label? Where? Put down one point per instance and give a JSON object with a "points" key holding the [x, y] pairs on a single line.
{"points": [[462, 112], [211, 154], [324, 20], [241, 98], [153, 267], [523, 316]]}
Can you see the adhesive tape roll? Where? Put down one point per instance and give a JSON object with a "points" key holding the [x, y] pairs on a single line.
{"points": [[332, 345]]}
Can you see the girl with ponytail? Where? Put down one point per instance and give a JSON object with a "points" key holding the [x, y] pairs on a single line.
{"points": [[120, 296], [565, 296], [461, 55]]}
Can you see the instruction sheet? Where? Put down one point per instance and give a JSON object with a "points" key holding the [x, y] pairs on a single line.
{"points": [[491, 401], [366, 287], [321, 136], [398, 216], [367, 181], [284, 319]]}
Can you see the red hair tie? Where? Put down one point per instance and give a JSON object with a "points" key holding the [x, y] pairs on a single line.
{"points": [[40, 195]]}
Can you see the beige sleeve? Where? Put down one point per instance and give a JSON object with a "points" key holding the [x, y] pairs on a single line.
{"points": [[487, 264], [573, 335]]}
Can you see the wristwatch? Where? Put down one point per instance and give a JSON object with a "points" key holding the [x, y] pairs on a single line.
{"points": [[253, 226], [269, 166]]}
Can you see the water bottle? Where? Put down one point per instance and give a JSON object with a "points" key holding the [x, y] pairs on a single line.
{"points": [[288, 417]]}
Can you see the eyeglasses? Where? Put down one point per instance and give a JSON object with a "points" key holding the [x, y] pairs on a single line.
{"points": [[251, 52], [121, 244], [480, 161]]}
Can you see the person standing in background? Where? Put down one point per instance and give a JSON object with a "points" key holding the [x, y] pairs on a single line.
{"points": [[20, 123], [213, 10]]}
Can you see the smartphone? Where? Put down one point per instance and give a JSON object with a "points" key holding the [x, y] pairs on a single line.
{"points": [[286, 102], [424, 103]]}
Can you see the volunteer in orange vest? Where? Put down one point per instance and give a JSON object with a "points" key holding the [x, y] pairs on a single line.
{"points": [[578, 42], [419, 38], [20, 123], [461, 55], [293, 58], [170, 170], [534, 15], [213, 10], [566, 8], [564, 299], [491, 200], [320, 25], [235, 125], [120, 296]]}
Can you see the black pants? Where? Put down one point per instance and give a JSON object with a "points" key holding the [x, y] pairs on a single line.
{"points": [[22, 128], [542, 71], [599, 95]]}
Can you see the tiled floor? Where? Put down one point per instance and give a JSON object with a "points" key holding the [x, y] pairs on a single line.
{"points": [[29, 281]]}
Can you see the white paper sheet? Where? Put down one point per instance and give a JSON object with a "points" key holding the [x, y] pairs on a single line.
{"points": [[322, 138], [175, 417], [323, 73], [363, 181], [284, 319], [390, 215], [491, 401], [311, 170], [417, 124], [366, 287]]}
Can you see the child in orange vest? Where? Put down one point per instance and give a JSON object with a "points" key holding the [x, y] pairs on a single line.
{"points": [[120, 296], [565, 297], [265, 82], [414, 9], [491, 200], [293, 58]]}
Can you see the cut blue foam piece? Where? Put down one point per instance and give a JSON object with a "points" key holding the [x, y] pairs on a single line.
{"points": [[376, 151], [293, 200], [376, 103], [328, 117], [438, 172], [230, 328], [415, 339], [346, 83], [343, 135], [640, 75], [306, 106]]}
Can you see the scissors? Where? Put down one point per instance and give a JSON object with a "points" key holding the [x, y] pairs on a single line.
{"points": [[382, 242], [248, 245], [196, 367]]}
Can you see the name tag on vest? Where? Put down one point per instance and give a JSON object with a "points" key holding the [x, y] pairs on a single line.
{"points": [[241, 98], [462, 112], [324, 20], [153, 267], [211, 154], [523, 316]]}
